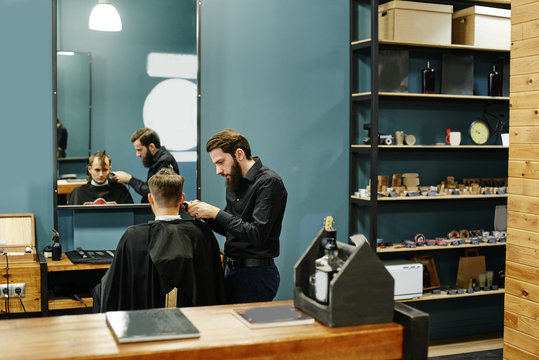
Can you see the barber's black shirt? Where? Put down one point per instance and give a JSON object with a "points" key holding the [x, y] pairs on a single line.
{"points": [[161, 159], [253, 215]]}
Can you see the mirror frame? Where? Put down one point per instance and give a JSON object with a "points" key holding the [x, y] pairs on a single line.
{"points": [[54, 5]]}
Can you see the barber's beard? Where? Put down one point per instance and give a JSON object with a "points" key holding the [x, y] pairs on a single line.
{"points": [[147, 160], [233, 184]]}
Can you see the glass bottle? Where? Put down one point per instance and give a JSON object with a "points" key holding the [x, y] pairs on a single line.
{"points": [[56, 246], [494, 83], [428, 79], [326, 267]]}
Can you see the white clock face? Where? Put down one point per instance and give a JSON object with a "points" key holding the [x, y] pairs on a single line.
{"points": [[479, 132]]}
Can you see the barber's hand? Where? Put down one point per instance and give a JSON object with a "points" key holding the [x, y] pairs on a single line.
{"points": [[202, 210], [121, 177]]}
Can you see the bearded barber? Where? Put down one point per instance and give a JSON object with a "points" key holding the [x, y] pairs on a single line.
{"points": [[154, 157], [251, 221]]}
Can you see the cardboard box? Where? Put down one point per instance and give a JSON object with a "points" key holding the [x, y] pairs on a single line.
{"points": [[482, 26], [417, 22]]}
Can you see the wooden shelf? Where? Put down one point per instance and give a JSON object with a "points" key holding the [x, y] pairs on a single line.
{"points": [[65, 303], [426, 198], [394, 249], [365, 95], [430, 296], [66, 265], [363, 43]]}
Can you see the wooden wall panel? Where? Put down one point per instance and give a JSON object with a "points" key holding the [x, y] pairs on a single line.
{"points": [[524, 117], [527, 100], [527, 82], [524, 12], [523, 151], [524, 238], [512, 353], [525, 47], [529, 30], [522, 340], [520, 186], [524, 135], [526, 169], [522, 324], [523, 290], [523, 204], [521, 307], [526, 65], [522, 255]]}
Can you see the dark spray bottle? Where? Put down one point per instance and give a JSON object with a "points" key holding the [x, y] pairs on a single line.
{"points": [[56, 246], [494, 83], [428, 76]]}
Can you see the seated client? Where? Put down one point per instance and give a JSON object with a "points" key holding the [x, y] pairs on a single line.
{"points": [[100, 190], [154, 258]]}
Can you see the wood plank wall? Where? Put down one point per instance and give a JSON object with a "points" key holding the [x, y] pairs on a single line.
{"points": [[521, 315]]}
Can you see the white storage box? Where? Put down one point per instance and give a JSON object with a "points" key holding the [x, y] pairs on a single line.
{"points": [[483, 26], [408, 277], [416, 22]]}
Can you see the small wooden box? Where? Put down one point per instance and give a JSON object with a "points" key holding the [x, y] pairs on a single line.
{"points": [[482, 26], [361, 293], [416, 22], [18, 261], [428, 263]]}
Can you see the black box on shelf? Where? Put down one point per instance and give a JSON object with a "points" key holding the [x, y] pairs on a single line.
{"points": [[457, 74], [393, 71], [361, 293]]}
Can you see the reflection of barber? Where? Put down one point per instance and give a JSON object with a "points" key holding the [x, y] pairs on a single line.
{"points": [[251, 221], [154, 157], [100, 190], [61, 136]]}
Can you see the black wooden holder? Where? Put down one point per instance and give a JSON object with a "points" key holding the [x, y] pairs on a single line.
{"points": [[361, 293]]}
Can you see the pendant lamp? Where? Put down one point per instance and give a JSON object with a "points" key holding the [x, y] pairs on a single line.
{"points": [[105, 17]]}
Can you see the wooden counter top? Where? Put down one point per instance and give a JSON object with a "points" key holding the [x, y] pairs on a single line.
{"points": [[223, 336]]}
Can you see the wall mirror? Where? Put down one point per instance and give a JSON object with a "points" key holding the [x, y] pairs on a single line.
{"points": [[74, 103], [145, 75]]}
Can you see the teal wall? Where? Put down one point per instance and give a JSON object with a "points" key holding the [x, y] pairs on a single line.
{"points": [[26, 112], [277, 71]]}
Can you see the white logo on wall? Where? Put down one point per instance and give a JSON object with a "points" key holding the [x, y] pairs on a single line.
{"points": [[171, 106]]}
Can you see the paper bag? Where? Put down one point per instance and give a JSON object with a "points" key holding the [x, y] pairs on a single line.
{"points": [[469, 268]]}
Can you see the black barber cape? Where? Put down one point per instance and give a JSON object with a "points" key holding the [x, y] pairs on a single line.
{"points": [[151, 259], [112, 193]]}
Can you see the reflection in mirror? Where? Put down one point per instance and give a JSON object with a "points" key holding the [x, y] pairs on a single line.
{"points": [[145, 75], [74, 99]]}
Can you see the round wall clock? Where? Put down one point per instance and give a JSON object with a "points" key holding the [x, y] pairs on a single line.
{"points": [[479, 132]]}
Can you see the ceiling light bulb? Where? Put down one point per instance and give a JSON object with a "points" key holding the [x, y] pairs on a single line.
{"points": [[105, 17]]}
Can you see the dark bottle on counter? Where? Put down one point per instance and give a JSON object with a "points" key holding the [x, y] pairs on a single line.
{"points": [[428, 79], [56, 246], [326, 267], [501, 279], [494, 83]]}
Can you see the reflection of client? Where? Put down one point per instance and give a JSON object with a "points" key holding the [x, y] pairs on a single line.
{"points": [[100, 189], [154, 157], [154, 258]]}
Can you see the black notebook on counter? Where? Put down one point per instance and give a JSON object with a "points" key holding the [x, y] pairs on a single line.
{"points": [[272, 316], [150, 325]]}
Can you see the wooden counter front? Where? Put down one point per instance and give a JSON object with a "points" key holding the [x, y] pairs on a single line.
{"points": [[222, 336]]}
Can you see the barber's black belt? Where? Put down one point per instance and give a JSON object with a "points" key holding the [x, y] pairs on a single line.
{"points": [[234, 264]]}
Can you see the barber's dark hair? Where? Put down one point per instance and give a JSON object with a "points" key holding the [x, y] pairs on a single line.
{"points": [[166, 187], [100, 156], [229, 141], [146, 137]]}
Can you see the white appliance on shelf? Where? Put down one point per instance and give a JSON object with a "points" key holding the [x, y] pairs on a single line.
{"points": [[408, 277]]}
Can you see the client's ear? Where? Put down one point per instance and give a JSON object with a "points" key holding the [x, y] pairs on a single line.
{"points": [[151, 199], [182, 199]]}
